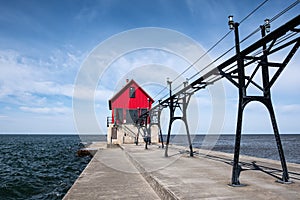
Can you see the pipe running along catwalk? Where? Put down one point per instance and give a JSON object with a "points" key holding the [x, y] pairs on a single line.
{"points": [[286, 37]]}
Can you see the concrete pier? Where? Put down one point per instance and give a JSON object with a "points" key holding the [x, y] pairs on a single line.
{"points": [[131, 172]]}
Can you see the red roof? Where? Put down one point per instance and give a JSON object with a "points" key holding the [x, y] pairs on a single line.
{"points": [[128, 84]]}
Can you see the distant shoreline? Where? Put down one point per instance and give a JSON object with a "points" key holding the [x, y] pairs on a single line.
{"points": [[100, 134]]}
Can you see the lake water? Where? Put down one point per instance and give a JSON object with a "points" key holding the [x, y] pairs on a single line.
{"points": [[39, 166]]}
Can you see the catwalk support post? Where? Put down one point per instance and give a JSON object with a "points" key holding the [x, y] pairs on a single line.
{"points": [[265, 99], [242, 93], [171, 105]]}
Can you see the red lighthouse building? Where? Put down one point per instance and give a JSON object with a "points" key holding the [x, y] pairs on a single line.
{"points": [[129, 103]]}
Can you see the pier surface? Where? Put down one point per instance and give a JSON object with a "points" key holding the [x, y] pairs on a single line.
{"points": [[131, 172]]}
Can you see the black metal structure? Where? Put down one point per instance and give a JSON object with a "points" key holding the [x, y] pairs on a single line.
{"points": [[155, 120], [142, 124], [286, 37], [178, 102], [243, 81]]}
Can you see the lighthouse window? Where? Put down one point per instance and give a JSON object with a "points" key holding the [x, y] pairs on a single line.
{"points": [[132, 92]]}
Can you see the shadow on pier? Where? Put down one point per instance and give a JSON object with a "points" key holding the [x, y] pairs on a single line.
{"points": [[273, 171]]}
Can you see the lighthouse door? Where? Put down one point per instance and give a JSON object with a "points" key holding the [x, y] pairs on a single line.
{"points": [[114, 133]]}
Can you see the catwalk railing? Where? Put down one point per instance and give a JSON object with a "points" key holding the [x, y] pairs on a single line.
{"points": [[286, 38]]}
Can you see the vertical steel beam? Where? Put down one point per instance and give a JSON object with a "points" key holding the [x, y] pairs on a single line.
{"points": [[146, 132], [171, 108], [170, 126], [244, 100], [236, 169], [159, 127], [137, 137], [285, 174], [184, 118], [268, 104], [242, 93], [189, 137], [264, 66]]}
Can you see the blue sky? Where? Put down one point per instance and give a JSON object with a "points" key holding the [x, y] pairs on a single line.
{"points": [[43, 45]]}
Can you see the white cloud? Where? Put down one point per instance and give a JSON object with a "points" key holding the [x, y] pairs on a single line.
{"points": [[52, 88], [46, 110], [40, 87], [137, 65], [88, 93], [291, 108], [22, 78]]}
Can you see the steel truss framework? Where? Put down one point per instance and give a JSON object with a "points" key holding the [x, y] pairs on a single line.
{"points": [[179, 102], [285, 38], [142, 124]]}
